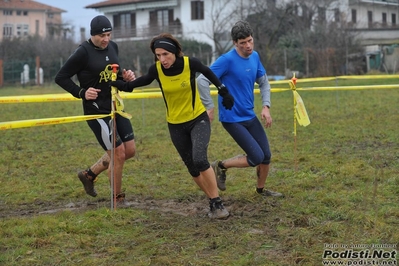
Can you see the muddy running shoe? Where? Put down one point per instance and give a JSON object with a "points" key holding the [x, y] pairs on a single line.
{"points": [[269, 193], [217, 210], [121, 201], [88, 184], [220, 175]]}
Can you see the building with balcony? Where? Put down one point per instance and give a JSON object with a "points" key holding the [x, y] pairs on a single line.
{"points": [[143, 19], [22, 18], [375, 21]]}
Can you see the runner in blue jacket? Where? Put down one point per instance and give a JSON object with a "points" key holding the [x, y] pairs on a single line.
{"points": [[239, 69]]}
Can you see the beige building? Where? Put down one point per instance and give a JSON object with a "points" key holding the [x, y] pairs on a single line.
{"points": [[21, 18]]}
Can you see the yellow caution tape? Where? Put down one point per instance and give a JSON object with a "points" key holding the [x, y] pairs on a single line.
{"points": [[47, 121], [119, 106], [300, 114], [63, 97], [147, 95]]}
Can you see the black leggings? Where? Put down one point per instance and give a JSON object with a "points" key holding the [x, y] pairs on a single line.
{"points": [[191, 140]]}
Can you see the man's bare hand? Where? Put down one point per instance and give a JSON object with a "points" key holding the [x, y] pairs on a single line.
{"points": [[211, 114], [91, 93], [266, 117], [128, 75]]}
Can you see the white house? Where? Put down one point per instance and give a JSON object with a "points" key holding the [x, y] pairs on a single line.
{"points": [[375, 20], [143, 19]]}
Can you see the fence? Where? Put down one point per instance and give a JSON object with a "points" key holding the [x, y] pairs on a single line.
{"points": [[27, 72]]}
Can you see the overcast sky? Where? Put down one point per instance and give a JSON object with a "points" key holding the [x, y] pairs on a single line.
{"points": [[76, 14]]}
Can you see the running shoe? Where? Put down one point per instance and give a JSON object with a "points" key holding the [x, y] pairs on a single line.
{"points": [[88, 184], [220, 175], [217, 210]]}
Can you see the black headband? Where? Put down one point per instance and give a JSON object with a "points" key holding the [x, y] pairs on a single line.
{"points": [[166, 44]]}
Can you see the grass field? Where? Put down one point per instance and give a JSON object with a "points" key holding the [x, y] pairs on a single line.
{"points": [[340, 177]]}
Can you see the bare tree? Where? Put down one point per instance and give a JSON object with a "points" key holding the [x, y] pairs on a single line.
{"points": [[301, 35], [223, 14]]}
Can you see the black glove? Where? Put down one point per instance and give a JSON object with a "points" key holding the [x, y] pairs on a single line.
{"points": [[121, 85], [228, 99]]}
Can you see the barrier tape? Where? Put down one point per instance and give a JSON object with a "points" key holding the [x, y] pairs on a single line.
{"points": [[300, 114], [148, 95], [47, 121], [68, 97]]}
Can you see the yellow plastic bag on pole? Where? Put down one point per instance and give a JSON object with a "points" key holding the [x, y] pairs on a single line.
{"points": [[301, 114]]}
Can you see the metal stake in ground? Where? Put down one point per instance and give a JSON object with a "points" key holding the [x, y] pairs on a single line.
{"points": [[114, 91]]}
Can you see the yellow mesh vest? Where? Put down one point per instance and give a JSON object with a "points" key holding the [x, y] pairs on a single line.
{"points": [[183, 103]]}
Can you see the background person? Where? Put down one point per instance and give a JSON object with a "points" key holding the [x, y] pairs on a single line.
{"points": [[91, 62], [239, 69], [188, 122]]}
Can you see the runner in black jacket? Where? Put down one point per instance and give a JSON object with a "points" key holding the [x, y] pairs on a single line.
{"points": [[91, 62]]}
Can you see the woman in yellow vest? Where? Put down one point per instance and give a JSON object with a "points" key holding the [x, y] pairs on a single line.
{"points": [[188, 121]]}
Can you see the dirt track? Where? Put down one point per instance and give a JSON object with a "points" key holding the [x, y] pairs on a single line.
{"points": [[192, 207]]}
